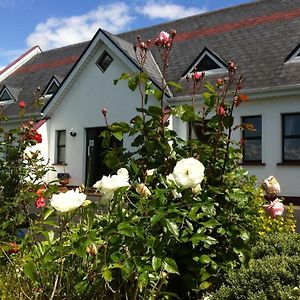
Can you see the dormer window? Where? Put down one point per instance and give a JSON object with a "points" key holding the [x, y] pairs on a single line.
{"points": [[294, 56], [52, 86], [9, 94], [209, 62], [5, 96], [104, 61]]}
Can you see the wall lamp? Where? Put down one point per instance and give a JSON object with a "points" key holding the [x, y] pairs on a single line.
{"points": [[72, 133]]}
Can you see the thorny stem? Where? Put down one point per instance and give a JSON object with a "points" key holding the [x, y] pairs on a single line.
{"points": [[230, 128]]}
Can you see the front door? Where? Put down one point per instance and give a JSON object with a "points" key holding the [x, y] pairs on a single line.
{"points": [[95, 168]]}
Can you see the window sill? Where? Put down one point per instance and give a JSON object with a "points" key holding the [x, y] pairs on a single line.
{"points": [[59, 164], [252, 163], [289, 163]]}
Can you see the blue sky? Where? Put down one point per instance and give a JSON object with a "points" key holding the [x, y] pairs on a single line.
{"points": [[51, 24]]}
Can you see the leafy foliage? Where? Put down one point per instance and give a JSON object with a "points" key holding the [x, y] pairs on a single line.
{"points": [[157, 239]]}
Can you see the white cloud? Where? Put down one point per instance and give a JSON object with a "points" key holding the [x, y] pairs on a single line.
{"points": [[8, 56], [57, 32], [167, 10]]}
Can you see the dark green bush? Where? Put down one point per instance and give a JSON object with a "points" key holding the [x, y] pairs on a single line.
{"points": [[273, 277], [279, 243]]}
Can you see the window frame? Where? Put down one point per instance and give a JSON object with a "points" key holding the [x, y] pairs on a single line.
{"points": [[283, 136], [102, 58], [255, 138], [60, 147]]}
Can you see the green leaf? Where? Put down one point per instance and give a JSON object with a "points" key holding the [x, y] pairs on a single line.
{"points": [[204, 259], [178, 87], [107, 275], [170, 266], [156, 263], [154, 219], [245, 236], [197, 237], [133, 82], [212, 223], [143, 280], [205, 285], [126, 229], [157, 94], [30, 271], [122, 77], [173, 228], [118, 135], [48, 213]]}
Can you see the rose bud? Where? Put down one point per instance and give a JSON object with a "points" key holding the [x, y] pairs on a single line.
{"points": [[104, 111], [21, 104], [93, 250]]}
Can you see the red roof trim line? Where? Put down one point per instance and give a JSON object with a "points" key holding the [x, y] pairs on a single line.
{"points": [[18, 59], [51, 64], [38, 124], [251, 22]]}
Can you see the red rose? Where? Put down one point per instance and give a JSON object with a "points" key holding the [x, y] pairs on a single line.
{"points": [[21, 104], [37, 137], [40, 202]]}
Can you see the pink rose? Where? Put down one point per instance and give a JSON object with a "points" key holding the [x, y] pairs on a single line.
{"points": [[197, 75], [221, 111], [275, 208], [163, 40]]}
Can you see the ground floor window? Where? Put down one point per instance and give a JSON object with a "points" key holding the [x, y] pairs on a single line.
{"points": [[291, 137], [252, 148], [61, 147]]}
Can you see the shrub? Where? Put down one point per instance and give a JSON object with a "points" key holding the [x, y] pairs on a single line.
{"points": [[277, 244], [273, 277]]}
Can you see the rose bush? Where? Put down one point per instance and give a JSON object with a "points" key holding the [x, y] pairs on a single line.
{"points": [[180, 214]]}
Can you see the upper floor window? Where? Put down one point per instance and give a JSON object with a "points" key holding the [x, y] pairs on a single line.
{"points": [[104, 61], [5, 96], [252, 149], [291, 137], [52, 86], [209, 62]]}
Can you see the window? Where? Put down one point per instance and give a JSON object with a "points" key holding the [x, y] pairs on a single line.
{"points": [[104, 61], [291, 137], [5, 96], [61, 147], [52, 89], [252, 148], [209, 62]]}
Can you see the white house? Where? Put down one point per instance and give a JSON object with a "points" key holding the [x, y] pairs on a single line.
{"points": [[262, 37]]}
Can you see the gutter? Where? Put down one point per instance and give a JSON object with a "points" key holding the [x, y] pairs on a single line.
{"points": [[266, 93]]}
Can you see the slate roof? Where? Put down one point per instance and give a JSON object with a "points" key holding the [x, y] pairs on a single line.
{"points": [[258, 36]]}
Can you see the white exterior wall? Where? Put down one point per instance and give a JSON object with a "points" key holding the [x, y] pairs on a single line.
{"points": [[270, 110], [81, 109]]}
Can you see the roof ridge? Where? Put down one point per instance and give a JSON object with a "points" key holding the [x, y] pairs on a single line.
{"points": [[66, 46], [250, 2]]}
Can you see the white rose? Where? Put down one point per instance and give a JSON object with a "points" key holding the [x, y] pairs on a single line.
{"points": [[109, 184], [188, 172], [271, 186], [142, 190], [197, 189], [150, 172], [68, 201]]}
